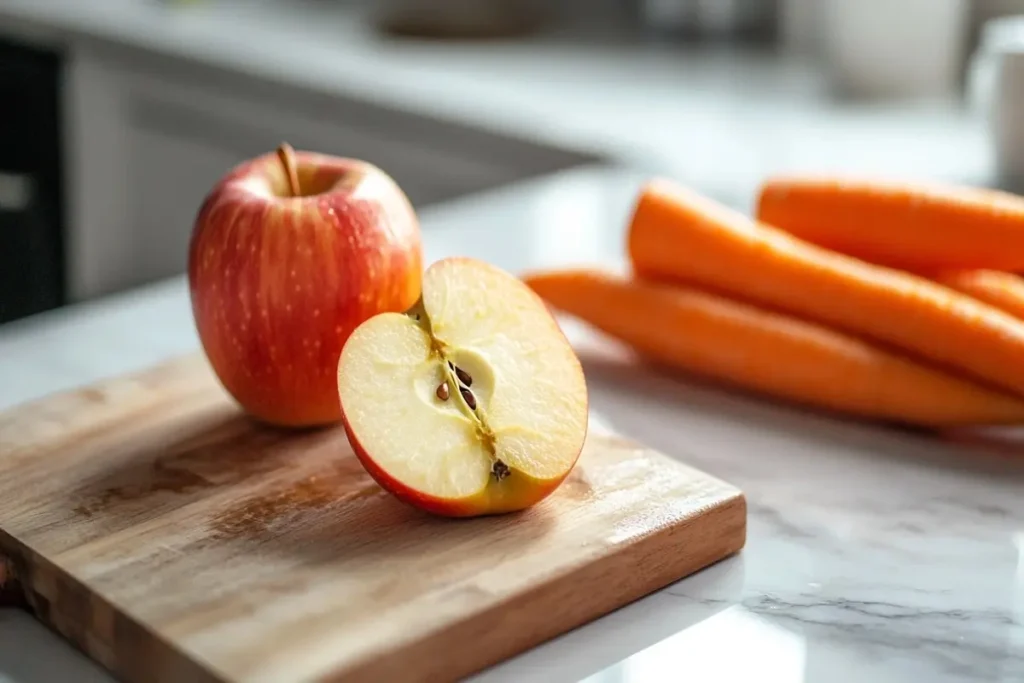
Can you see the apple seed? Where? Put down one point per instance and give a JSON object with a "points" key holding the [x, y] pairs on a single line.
{"points": [[500, 470], [442, 391], [469, 397], [464, 377]]}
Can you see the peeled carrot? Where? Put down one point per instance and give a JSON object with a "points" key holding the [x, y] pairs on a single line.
{"points": [[771, 353], [1004, 291], [914, 227], [679, 235]]}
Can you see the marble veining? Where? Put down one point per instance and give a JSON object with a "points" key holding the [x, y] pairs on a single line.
{"points": [[905, 567]]}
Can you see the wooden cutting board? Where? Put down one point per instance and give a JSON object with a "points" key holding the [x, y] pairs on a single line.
{"points": [[172, 539]]}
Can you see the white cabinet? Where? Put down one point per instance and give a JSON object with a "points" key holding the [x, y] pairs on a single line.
{"points": [[148, 137]]}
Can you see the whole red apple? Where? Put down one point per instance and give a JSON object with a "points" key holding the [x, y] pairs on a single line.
{"points": [[290, 252]]}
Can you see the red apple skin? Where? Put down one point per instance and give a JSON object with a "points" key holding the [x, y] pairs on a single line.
{"points": [[517, 492], [278, 283]]}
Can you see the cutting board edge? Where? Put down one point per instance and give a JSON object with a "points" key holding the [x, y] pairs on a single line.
{"points": [[734, 511], [11, 592], [68, 608], [47, 600]]}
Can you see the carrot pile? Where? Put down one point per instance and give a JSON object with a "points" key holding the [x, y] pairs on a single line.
{"points": [[891, 302]]}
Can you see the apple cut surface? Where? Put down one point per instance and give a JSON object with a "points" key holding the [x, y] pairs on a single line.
{"points": [[471, 403]]}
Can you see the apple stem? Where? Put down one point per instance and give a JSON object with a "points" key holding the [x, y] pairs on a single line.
{"points": [[287, 156]]}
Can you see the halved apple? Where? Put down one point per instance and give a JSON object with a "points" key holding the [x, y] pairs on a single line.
{"points": [[471, 403]]}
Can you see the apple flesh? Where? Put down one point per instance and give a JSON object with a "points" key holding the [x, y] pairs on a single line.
{"points": [[290, 253], [471, 403]]}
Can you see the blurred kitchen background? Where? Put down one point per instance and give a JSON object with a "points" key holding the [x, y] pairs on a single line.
{"points": [[119, 115]]}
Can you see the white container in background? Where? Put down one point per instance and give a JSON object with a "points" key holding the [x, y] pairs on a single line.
{"points": [[895, 48], [996, 87]]}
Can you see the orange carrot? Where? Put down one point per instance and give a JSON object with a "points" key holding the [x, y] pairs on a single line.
{"points": [[916, 227], [1005, 291], [679, 235], [771, 353]]}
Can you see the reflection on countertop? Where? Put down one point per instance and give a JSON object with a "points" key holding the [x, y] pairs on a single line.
{"points": [[873, 554]]}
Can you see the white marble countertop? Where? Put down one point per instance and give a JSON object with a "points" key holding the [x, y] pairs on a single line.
{"points": [[723, 118], [873, 554]]}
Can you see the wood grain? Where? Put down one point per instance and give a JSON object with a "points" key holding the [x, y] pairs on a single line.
{"points": [[173, 539], [11, 594]]}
